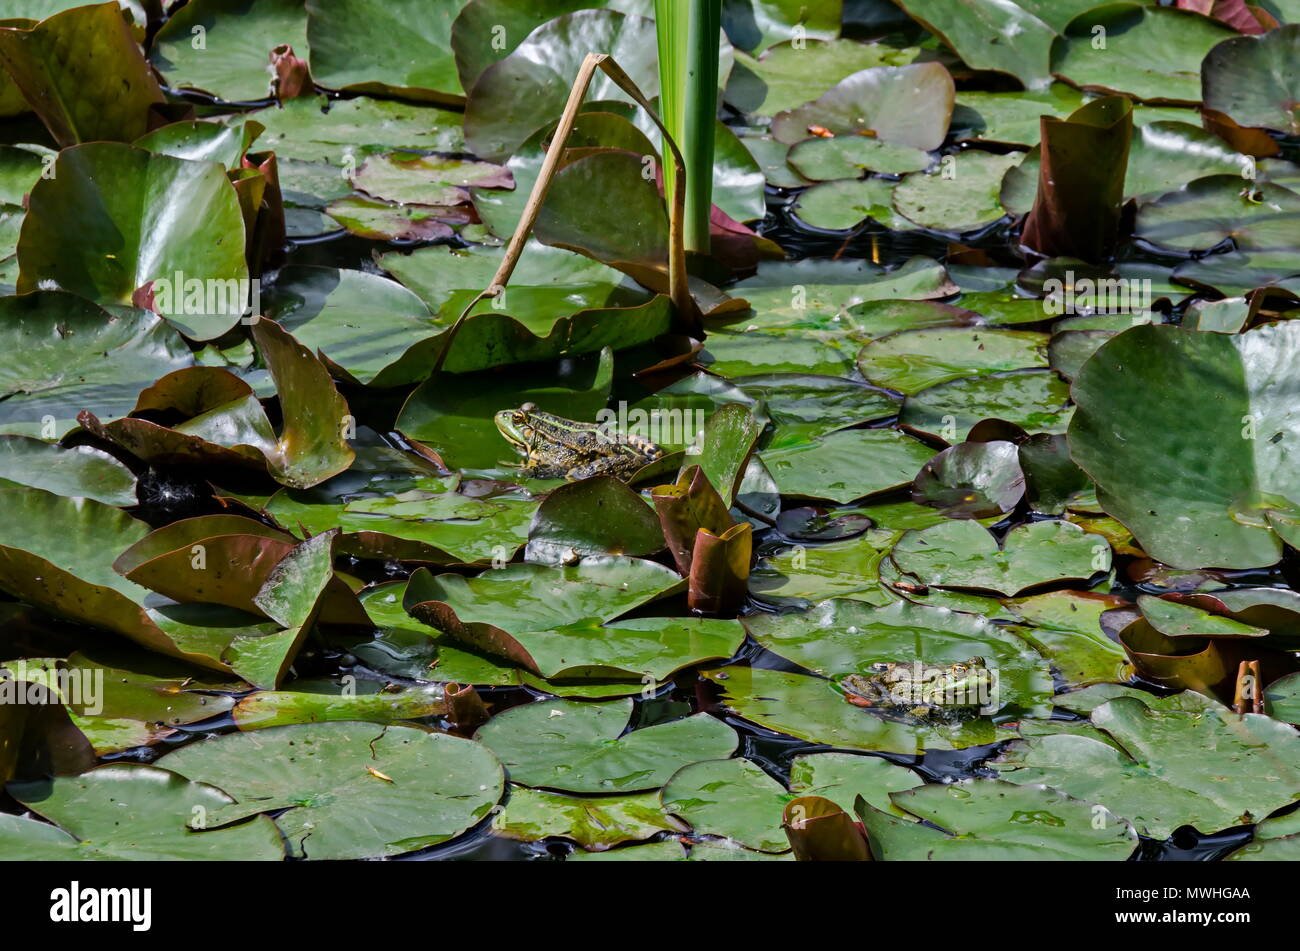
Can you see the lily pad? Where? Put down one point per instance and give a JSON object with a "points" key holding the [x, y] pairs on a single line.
{"points": [[915, 359], [488, 612], [129, 812], [1255, 215], [999, 36], [516, 96], [1153, 53], [732, 798], [114, 218], [1211, 500], [582, 747], [846, 203], [961, 196], [848, 156], [786, 74], [82, 471], [960, 554], [64, 355], [1211, 769], [223, 46], [972, 480], [987, 820], [1037, 400], [843, 777], [847, 465], [842, 637], [906, 105], [595, 822], [1253, 79], [415, 788], [396, 47]]}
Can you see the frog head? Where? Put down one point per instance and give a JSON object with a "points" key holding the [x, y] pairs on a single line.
{"points": [[514, 425]]}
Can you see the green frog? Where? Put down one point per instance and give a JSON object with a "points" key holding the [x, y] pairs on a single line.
{"points": [[557, 448], [924, 691]]}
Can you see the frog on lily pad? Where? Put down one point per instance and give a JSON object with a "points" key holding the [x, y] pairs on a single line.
{"points": [[942, 692], [557, 448]]}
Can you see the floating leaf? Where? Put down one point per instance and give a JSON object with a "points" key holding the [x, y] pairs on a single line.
{"points": [[729, 797], [1210, 500], [595, 823], [237, 39], [1211, 769], [325, 775], [972, 480], [987, 820], [847, 465], [963, 555], [907, 105], [582, 747], [1253, 79], [113, 218], [130, 812]]}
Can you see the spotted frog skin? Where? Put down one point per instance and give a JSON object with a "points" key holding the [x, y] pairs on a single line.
{"points": [[924, 691], [557, 448]]}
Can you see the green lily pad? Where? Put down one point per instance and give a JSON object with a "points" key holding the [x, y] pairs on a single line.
{"points": [[906, 105], [82, 471], [786, 74], [1012, 117], [732, 798], [915, 359], [995, 36], [338, 132], [972, 480], [594, 822], [563, 530], [842, 777], [385, 221], [59, 65], [1211, 769], [114, 218], [516, 96], [812, 709], [1255, 215], [581, 747], [848, 156], [202, 140], [1212, 500], [963, 195], [847, 465], [1066, 629], [1240, 272], [844, 569], [487, 31], [986, 820], [270, 708], [1037, 400], [1153, 53], [489, 612], [426, 180], [395, 47], [1185, 620], [356, 319], [1253, 79], [844, 204], [430, 787], [223, 46], [129, 812], [804, 406], [842, 637], [960, 554]]}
